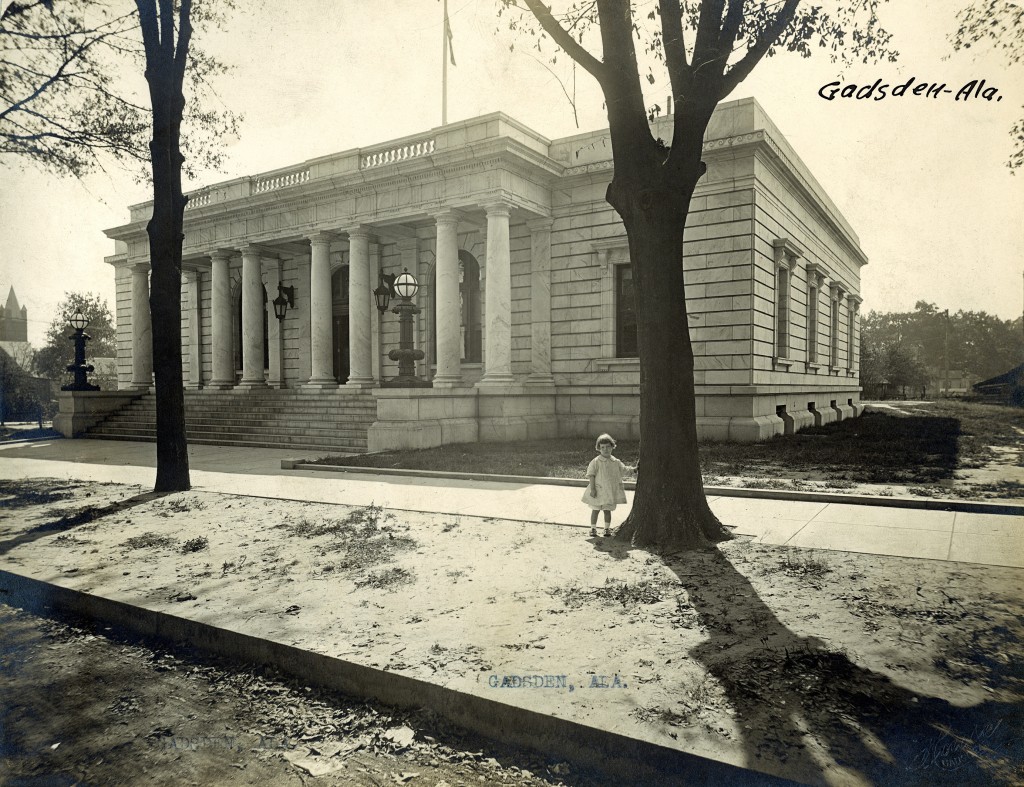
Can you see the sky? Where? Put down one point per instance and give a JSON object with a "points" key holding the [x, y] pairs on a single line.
{"points": [[922, 180]]}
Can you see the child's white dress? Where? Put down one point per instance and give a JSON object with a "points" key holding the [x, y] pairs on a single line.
{"points": [[608, 480]]}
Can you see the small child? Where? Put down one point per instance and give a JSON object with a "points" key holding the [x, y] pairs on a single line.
{"points": [[605, 490]]}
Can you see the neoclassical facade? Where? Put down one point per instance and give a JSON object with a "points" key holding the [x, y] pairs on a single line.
{"points": [[527, 321]]}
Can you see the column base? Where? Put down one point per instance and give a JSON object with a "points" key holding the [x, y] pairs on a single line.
{"points": [[221, 385], [250, 385], [496, 381], [448, 381], [323, 384]]}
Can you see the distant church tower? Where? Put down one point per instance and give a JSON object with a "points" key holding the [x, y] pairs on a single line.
{"points": [[13, 320]]}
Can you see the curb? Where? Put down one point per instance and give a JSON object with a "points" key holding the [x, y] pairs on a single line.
{"points": [[632, 760], [927, 504]]}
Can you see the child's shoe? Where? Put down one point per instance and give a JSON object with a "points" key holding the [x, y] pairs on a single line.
{"points": [[593, 532], [607, 533]]}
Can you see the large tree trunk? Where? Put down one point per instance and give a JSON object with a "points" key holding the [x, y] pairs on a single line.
{"points": [[165, 240], [670, 510]]}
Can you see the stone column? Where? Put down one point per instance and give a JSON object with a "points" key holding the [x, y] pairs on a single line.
{"points": [[195, 330], [321, 338], [540, 302], [498, 299], [220, 327], [271, 276], [360, 367], [142, 328], [446, 282], [253, 310], [302, 319]]}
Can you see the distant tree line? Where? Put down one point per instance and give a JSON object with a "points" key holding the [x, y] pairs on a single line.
{"points": [[907, 353]]}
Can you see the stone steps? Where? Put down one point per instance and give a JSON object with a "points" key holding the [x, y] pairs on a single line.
{"points": [[259, 419]]}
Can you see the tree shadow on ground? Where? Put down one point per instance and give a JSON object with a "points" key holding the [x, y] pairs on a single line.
{"points": [[807, 711], [76, 518], [876, 447]]}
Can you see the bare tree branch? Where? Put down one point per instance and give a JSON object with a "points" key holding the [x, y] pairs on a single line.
{"points": [[769, 36], [561, 37]]}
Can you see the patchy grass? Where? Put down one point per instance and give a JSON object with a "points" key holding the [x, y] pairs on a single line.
{"points": [[195, 545], [368, 536], [386, 579], [920, 444], [149, 541], [613, 592]]}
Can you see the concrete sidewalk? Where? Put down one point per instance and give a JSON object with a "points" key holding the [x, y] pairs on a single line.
{"points": [[836, 524]]}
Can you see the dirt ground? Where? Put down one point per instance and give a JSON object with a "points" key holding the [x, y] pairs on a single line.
{"points": [[84, 704], [836, 668]]}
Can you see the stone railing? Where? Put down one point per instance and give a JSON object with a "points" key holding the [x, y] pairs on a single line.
{"points": [[392, 155], [262, 183], [198, 199]]}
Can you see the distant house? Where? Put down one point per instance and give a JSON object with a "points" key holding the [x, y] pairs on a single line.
{"points": [[1007, 388], [954, 382]]}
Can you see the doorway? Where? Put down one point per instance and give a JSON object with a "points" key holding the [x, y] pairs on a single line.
{"points": [[341, 358]]}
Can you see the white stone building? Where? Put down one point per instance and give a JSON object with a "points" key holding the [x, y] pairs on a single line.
{"points": [[526, 316]]}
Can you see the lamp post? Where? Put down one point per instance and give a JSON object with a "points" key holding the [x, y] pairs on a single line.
{"points": [[405, 287], [80, 367]]}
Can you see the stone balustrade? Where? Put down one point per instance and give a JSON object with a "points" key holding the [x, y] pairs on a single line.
{"points": [[393, 155], [198, 199], [262, 183]]}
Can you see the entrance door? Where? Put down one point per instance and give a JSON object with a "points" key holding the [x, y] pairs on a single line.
{"points": [[341, 348]]}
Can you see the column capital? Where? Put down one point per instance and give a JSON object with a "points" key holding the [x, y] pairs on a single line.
{"points": [[256, 249], [448, 216], [497, 207], [360, 231], [540, 224], [138, 266], [221, 254], [321, 236]]}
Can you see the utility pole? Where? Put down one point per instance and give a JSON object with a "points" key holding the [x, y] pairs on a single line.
{"points": [[945, 353]]}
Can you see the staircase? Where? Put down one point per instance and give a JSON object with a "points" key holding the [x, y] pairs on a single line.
{"points": [[267, 418]]}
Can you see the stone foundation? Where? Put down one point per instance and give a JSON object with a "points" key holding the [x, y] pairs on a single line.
{"points": [[81, 410]]}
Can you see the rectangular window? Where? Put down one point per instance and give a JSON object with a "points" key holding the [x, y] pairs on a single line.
{"points": [[812, 322], [625, 313], [782, 312], [834, 348], [849, 338]]}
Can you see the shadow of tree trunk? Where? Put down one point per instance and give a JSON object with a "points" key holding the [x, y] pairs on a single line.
{"points": [[807, 711], [76, 518]]}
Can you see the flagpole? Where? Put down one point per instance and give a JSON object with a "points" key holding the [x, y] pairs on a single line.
{"points": [[444, 67]]}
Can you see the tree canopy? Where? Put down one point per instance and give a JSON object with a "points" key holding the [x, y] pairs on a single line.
{"points": [[916, 348], [67, 102], [54, 357]]}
